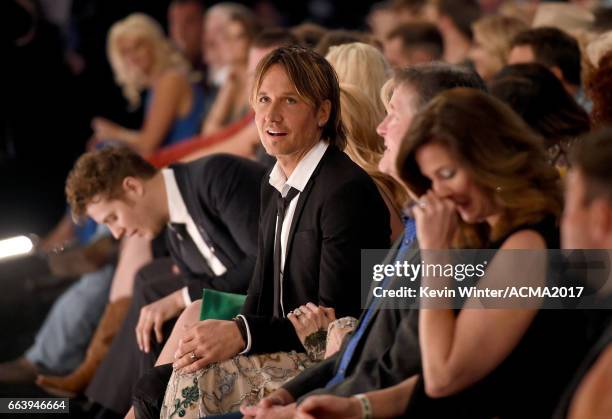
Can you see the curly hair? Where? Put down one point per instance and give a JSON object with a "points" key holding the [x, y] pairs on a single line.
{"points": [[503, 155], [99, 175]]}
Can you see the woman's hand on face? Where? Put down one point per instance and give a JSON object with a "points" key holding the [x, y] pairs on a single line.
{"points": [[310, 318], [436, 221]]}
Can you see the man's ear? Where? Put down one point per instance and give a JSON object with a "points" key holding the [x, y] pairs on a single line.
{"points": [[323, 113], [133, 186]]}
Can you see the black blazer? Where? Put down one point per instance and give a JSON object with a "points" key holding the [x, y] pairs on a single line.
{"points": [[387, 353], [221, 193], [339, 213]]}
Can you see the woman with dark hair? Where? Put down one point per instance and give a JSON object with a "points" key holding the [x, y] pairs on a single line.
{"points": [[483, 182], [538, 96]]}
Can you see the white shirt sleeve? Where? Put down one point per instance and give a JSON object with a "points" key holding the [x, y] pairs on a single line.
{"points": [[186, 297], [248, 346]]}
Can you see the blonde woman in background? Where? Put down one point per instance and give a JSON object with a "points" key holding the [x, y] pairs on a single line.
{"points": [[492, 38], [143, 60], [362, 111], [365, 147], [349, 61]]}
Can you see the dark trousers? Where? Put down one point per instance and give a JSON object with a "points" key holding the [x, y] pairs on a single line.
{"points": [[148, 395], [114, 380]]}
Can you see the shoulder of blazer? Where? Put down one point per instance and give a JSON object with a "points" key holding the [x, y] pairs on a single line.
{"points": [[339, 167], [203, 175]]}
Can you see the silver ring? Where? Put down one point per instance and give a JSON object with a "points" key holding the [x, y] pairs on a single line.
{"points": [[297, 312], [422, 203], [193, 355]]}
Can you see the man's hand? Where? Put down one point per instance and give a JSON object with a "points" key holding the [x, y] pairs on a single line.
{"points": [[330, 407], [206, 342], [278, 398], [153, 316]]}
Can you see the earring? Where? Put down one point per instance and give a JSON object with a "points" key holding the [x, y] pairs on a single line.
{"points": [[498, 189]]}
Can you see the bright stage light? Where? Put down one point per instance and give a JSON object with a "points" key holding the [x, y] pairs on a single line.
{"points": [[15, 246]]}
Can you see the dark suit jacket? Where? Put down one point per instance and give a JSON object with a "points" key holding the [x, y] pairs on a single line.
{"points": [[387, 353], [339, 213], [221, 193]]}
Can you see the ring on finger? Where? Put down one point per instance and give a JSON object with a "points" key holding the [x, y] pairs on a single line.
{"points": [[193, 356], [422, 203], [297, 312]]}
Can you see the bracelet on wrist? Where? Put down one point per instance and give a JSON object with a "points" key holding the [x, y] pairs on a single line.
{"points": [[366, 407]]}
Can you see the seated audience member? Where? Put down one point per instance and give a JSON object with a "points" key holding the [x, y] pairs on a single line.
{"points": [[361, 113], [539, 98], [245, 143], [386, 15], [213, 56], [599, 89], [384, 348], [114, 300], [468, 198], [365, 147], [454, 19], [308, 253], [556, 50], [61, 342], [586, 225], [185, 27], [343, 36], [143, 60], [492, 37], [308, 34], [211, 206], [231, 102], [413, 43]]}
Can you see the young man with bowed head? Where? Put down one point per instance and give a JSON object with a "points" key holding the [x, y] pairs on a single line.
{"points": [[211, 209]]}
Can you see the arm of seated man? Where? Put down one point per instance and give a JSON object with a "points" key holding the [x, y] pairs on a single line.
{"points": [[154, 315], [206, 342]]}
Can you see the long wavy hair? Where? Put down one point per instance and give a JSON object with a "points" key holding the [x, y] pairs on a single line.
{"points": [[349, 61], [364, 146], [504, 157], [141, 26]]}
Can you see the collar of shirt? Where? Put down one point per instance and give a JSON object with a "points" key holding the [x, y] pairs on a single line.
{"points": [[177, 209], [302, 172]]}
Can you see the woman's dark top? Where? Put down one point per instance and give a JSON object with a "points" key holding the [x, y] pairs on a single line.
{"points": [[529, 382]]}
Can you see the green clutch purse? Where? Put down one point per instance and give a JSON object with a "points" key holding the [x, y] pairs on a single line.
{"points": [[219, 305]]}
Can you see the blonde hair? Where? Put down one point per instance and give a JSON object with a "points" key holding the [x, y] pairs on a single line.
{"points": [[364, 146], [495, 33], [349, 60], [141, 26]]}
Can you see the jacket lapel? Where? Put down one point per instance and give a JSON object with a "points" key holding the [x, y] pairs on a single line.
{"points": [[303, 198]]}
